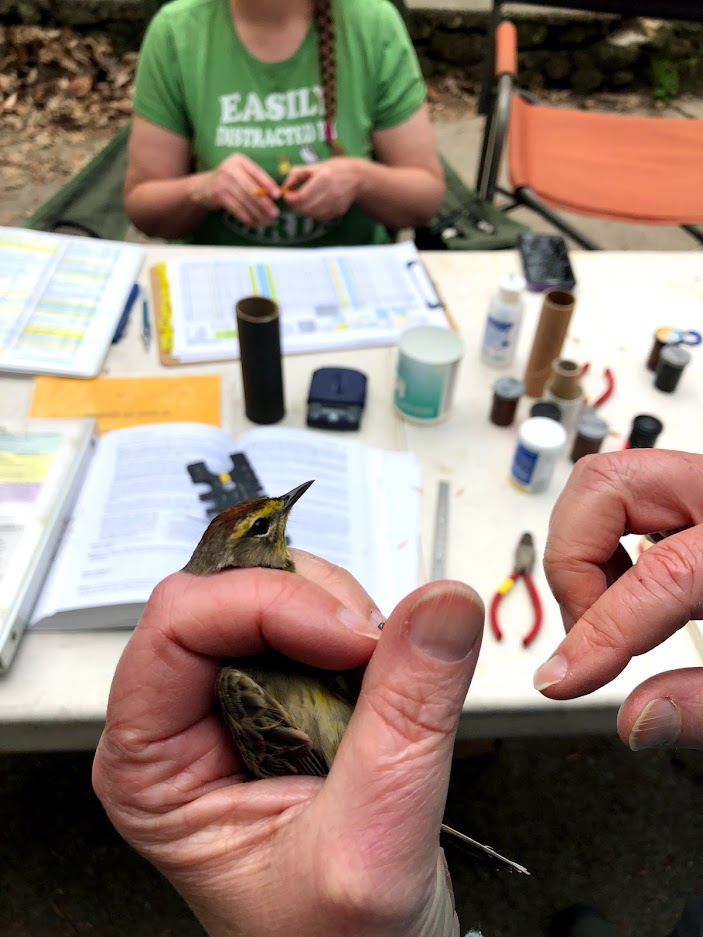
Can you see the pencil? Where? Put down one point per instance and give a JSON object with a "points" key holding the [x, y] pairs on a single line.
{"points": [[453, 324], [262, 191]]}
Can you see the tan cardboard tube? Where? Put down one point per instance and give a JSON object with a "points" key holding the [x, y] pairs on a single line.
{"points": [[564, 384], [549, 337]]}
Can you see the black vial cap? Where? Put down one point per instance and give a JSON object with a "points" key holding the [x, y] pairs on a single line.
{"points": [[645, 430], [546, 408]]}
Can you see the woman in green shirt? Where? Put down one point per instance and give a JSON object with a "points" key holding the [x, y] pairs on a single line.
{"points": [[280, 123]]}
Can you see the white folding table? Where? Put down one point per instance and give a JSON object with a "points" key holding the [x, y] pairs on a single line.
{"points": [[55, 695]]}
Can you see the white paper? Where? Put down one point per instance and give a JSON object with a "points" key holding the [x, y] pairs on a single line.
{"points": [[329, 298]]}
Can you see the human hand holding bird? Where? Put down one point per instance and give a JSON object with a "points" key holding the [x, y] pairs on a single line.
{"points": [[357, 853], [284, 717]]}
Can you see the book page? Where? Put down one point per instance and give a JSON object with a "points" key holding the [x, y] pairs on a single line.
{"points": [[37, 459], [363, 511], [42, 466], [138, 518], [39, 462], [695, 629], [61, 298]]}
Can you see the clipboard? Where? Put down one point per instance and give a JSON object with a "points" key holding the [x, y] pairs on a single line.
{"points": [[163, 319], [161, 306], [342, 307]]}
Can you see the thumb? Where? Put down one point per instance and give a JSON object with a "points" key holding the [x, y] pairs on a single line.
{"points": [[392, 769]]}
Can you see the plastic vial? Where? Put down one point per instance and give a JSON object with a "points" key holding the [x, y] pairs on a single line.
{"points": [[546, 408], [672, 361], [503, 322], [565, 390], [590, 433], [539, 445], [644, 432], [507, 392], [663, 336]]}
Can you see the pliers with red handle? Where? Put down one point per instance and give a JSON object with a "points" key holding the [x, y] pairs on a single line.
{"points": [[524, 564], [609, 385]]}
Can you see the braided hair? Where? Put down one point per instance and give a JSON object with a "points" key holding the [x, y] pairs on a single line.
{"points": [[324, 21]]}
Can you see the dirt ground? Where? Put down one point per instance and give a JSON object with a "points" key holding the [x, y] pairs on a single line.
{"points": [[27, 182], [592, 821]]}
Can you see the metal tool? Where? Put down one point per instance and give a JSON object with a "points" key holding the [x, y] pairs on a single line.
{"points": [[524, 563], [441, 532]]}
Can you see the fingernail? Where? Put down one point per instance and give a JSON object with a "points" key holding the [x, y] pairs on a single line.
{"points": [[378, 619], [550, 672], [358, 624], [658, 724], [442, 626]]}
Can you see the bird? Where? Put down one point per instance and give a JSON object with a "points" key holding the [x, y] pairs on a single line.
{"points": [[285, 718]]}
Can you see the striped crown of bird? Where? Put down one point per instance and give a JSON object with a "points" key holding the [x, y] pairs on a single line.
{"points": [[285, 717]]}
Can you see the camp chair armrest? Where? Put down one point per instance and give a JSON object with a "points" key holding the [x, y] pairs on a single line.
{"points": [[506, 50]]}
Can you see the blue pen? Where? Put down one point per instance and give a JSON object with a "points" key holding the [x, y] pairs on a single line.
{"points": [[124, 318], [146, 325]]}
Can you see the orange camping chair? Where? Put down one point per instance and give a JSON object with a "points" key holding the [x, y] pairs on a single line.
{"points": [[618, 167]]}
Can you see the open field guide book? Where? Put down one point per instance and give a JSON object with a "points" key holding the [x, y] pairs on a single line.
{"points": [[139, 515]]}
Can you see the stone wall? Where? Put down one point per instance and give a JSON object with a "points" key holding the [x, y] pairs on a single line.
{"points": [[557, 49], [560, 50], [73, 12]]}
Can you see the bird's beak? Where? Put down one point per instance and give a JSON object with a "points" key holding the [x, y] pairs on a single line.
{"points": [[292, 496]]}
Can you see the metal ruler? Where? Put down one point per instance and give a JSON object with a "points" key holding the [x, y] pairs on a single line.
{"points": [[441, 533]]}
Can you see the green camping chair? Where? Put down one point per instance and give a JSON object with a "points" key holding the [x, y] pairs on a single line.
{"points": [[91, 202]]}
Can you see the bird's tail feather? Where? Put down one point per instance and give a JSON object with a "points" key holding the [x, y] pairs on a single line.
{"points": [[480, 851]]}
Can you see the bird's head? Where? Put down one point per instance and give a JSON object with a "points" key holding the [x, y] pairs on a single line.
{"points": [[249, 534]]}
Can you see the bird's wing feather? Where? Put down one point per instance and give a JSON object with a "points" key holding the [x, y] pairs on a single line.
{"points": [[268, 741]]}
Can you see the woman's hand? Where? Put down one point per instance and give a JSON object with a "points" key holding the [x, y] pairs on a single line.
{"points": [[240, 187], [356, 853], [614, 610], [324, 190]]}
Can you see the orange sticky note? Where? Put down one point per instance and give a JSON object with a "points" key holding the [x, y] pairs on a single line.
{"points": [[116, 402]]}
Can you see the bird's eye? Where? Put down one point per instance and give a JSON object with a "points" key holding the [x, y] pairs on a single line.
{"points": [[259, 527]]}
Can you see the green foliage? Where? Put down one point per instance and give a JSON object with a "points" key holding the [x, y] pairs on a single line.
{"points": [[666, 81], [690, 68]]}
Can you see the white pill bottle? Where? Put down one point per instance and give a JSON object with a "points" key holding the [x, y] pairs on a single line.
{"points": [[502, 328], [540, 442]]}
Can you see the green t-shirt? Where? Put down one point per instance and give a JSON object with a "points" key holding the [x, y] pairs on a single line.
{"points": [[197, 79]]}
